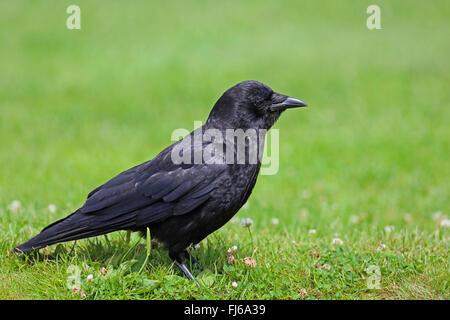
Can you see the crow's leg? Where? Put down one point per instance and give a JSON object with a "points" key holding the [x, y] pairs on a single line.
{"points": [[185, 269], [178, 259], [192, 258]]}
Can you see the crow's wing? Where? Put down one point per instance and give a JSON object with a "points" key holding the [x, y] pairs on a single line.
{"points": [[136, 198], [154, 191], [177, 192]]}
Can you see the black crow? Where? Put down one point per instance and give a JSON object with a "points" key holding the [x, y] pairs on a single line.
{"points": [[190, 189]]}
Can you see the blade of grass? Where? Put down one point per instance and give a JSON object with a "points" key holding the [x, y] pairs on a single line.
{"points": [[149, 248]]}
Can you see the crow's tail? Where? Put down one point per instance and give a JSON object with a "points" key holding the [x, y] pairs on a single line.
{"points": [[76, 226]]}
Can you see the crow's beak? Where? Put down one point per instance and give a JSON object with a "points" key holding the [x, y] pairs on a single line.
{"points": [[288, 103]]}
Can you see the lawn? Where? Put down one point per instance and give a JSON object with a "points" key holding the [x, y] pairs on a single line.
{"points": [[359, 207]]}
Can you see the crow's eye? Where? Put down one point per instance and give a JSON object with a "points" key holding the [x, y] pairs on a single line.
{"points": [[258, 102]]}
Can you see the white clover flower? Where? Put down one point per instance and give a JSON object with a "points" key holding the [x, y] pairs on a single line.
{"points": [[235, 220], [246, 222], [312, 232], [445, 223], [90, 277], [389, 229], [196, 247], [407, 217], [234, 284], [275, 221], [303, 292], [250, 262], [52, 208], [354, 219], [437, 215], [233, 249], [15, 206], [381, 246], [337, 241]]}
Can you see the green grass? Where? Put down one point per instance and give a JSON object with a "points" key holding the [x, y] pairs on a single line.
{"points": [[372, 150]]}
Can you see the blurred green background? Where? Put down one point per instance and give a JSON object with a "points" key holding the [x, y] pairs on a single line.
{"points": [[79, 106]]}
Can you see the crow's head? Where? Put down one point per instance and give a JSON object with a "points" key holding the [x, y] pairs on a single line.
{"points": [[251, 104]]}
